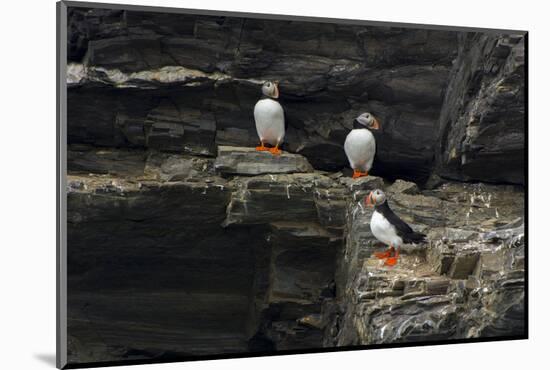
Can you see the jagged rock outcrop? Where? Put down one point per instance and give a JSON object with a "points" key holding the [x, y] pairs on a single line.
{"points": [[248, 161], [184, 240], [483, 120], [464, 283]]}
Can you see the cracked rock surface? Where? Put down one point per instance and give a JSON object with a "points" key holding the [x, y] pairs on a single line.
{"points": [[464, 283]]}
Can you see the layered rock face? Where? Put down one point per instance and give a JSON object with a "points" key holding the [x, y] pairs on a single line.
{"points": [[482, 123], [185, 241], [466, 282], [169, 258], [154, 251], [182, 82]]}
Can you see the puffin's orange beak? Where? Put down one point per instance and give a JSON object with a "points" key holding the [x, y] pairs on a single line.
{"points": [[368, 200], [276, 92], [375, 125]]}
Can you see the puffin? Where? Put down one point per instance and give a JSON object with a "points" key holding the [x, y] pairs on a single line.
{"points": [[387, 227], [360, 145], [270, 119]]}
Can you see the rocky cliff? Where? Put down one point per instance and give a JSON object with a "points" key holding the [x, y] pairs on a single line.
{"points": [[183, 240], [483, 119]]}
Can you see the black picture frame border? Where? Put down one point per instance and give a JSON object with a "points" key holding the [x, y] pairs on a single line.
{"points": [[61, 171]]}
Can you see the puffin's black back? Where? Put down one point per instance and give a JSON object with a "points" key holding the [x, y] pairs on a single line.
{"points": [[403, 229]]}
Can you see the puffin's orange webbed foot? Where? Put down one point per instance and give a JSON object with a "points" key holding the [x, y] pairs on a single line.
{"points": [[383, 255], [392, 261], [262, 148], [275, 151], [357, 174]]}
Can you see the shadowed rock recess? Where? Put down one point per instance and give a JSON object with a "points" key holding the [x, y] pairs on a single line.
{"points": [[183, 240]]}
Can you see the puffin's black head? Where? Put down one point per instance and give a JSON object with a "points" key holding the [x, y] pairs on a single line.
{"points": [[271, 89], [375, 198], [367, 120]]}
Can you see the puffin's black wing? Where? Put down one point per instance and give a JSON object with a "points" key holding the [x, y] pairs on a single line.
{"points": [[401, 227]]}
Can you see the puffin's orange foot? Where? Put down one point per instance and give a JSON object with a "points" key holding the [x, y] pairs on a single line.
{"points": [[383, 255], [262, 148], [357, 174], [275, 151], [392, 261]]}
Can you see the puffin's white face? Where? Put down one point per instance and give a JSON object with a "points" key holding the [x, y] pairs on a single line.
{"points": [[368, 120], [271, 89], [375, 198]]}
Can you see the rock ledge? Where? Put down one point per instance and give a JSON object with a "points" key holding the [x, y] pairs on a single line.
{"points": [[247, 161]]}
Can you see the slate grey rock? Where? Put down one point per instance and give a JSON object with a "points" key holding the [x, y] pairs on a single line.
{"points": [[85, 159], [365, 183], [482, 122], [248, 161], [176, 167], [406, 187], [170, 127], [131, 238], [270, 198], [463, 264], [459, 284]]}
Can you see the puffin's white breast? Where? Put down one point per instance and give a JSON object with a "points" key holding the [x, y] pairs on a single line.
{"points": [[270, 121], [360, 147], [384, 231]]}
